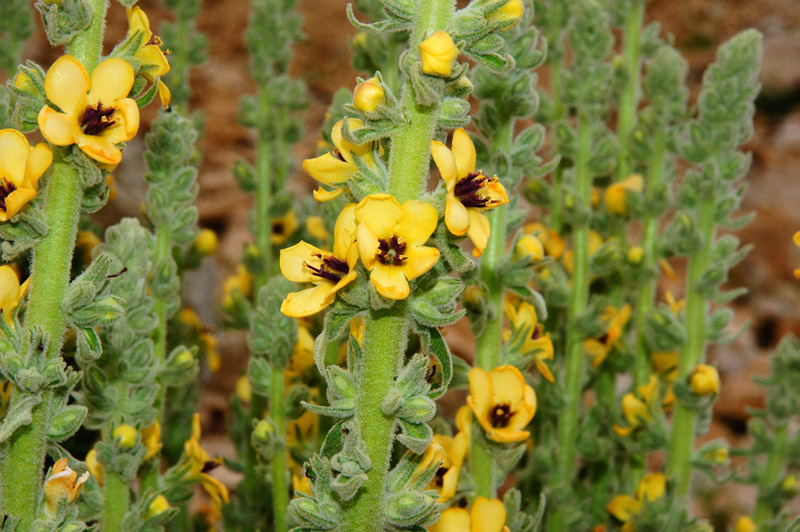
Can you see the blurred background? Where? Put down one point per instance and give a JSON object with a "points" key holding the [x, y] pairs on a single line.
{"points": [[323, 62]]}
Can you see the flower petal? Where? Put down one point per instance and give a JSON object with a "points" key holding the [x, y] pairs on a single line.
{"points": [[328, 169], [99, 149], [17, 199], [445, 162], [487, 515], [456, 216], [164, 94], [9, 288], [344, 231], [480, 394], [111, 81], [293, 262], [66, 85], [623, 507], [39, 160], [306, 302], [452, 520], [58, 128], [381, 213], [322, 195], [14, 149], [127, 116], [418, 222], [464, 152], [479, 230], [420, 260], [508, 385], [390, 281]]}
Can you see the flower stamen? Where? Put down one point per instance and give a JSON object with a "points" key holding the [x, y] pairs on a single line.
{"points": [[331, 269], [6, 188], [391, 251], [468, 190], [97, 119], [500, 416]]}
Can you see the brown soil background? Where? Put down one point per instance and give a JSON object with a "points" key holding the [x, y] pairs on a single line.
{"points": [[323, 62]]}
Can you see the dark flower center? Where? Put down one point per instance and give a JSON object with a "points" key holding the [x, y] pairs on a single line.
{"points": [[97, 119], [391, 251], [438, 479], [153, 40], [210, 465], [468, 190], [537, 332], [6, 188], [604, 339], [338, 155], [500, 415], [331, 269], [277, 228]]}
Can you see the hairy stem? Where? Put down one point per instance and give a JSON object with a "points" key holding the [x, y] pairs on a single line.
{"points": [[629, 98], [772, 474], [567, 429], [683, 422]]}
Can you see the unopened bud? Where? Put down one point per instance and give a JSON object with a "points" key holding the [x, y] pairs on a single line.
{"points": [[368, 95]]}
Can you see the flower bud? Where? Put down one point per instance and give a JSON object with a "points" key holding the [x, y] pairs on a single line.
{"points": [[159, 505], [789, 485], [745, 524], [704, 380], [263, 431], [438, 53], [635, 255], [125, 436], [474, 297], [206, 242], [368, 95], [94, 466], [530, 246], [509, 14], [185, 359], [243, 389], [615, 194]]}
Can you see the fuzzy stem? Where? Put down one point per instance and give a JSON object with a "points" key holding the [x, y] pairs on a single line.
{"points": [[772, 474], [22, 468], [683, 423], [630, 93], [88, 46], [567, 429], [115, 502], [264, 198], [163, 250], [490, 341], [641, 370], [280, 463], [383, 351]]}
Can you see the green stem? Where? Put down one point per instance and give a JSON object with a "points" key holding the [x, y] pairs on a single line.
{"points": [[490, 341], [629, 98], [88, 46], [641, 371], [567, 429], [383, 352], [180, 67], [683, 423], [280, 463], [264, 198], [162, 251], [115, 502], [21, 470], [772, 475]]}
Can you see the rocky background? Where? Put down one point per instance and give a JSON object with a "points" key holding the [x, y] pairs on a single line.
{"points": [[323, 61]]}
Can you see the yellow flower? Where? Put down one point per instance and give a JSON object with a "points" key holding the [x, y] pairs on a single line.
{"points": [[797, 243], [664, 361], [502, 402], [616, 193], [200, 463], [212, 353], [335, 168], [62, 485], [625, 507], [241, 281], [125, 436], [358, 326], [329, 272], [468, 192], [303, 431], [283, 228], [508, 16], [455, 450], [390, 242], [615, 320], [553, 244], [523, 317], [158, 506], [301, 483], [303, 354], [189, 317], [11, 292], [486, 516], [674, 306], [635, 254], [745, 524], [529, 246], [638, 411], [789, 485], [244, 391], [151, 439], [316, 228], [704, 380], [368, 95], [96, 113], [152, 60], [438, 53], [206, 242], [94, 466], [21, 166]]}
